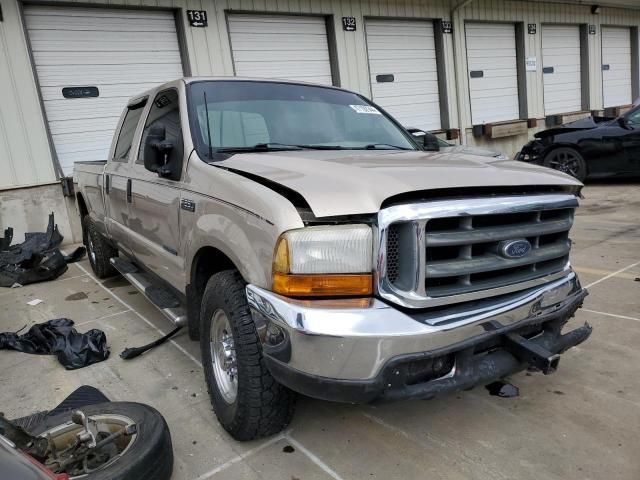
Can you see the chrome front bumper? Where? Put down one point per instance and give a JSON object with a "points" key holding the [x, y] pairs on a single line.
{"points": [[330, 339]]}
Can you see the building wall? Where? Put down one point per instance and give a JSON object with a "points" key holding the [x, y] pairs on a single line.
{"points": [[25, 155]]}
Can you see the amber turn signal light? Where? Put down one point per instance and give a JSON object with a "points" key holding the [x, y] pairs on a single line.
{"points": [[348, 285]]}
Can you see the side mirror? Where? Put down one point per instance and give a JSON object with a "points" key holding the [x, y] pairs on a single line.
{"points": [[431, 144], [152, 161], [622, 122], [428, 142]]}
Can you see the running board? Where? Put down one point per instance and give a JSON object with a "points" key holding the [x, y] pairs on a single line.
{"points": [[163, 299]]}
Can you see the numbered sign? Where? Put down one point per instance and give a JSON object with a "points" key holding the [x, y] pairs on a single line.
{"points": [[349, 24], [197, 18]]}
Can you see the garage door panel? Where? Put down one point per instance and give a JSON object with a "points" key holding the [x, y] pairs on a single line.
{"points": [[106, 91], [491, 65], [90, 59], [121, 52], [406, 50], [407, 90], [84, 125], [280, 46], [56, 75]]}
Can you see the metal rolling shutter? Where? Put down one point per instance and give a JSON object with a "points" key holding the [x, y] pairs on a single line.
{"points": [[616, 66], [561, 68], [121, 52], [493, 72], [280, 46], [406, 50]]}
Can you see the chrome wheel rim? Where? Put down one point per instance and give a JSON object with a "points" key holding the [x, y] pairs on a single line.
{"points": [[92, 252], [565, 162], [223, 356], [64, 435]]}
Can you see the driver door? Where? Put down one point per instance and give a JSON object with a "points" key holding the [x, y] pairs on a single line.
{"points": [[154, 226]]}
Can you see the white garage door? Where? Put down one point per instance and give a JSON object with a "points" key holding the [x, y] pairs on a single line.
{"points": [[279, 46], [561, 68], [616, 66], [404, 52], [493, 72], [120, 52]]}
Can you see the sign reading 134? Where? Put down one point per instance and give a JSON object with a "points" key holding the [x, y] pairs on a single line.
{"points": [[197, 18]]}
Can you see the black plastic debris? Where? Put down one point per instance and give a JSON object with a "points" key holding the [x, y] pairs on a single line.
{"points": [[58, 337], [37, 259], [503, 389]]}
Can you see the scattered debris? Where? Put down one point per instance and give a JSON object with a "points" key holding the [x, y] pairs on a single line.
{"points": [[34, 302], [129, 353], [37, 259], [637, 279], [58, 337], [503, 389]]}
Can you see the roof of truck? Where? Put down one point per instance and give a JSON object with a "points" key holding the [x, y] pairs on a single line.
{"points": [[188, 80]]}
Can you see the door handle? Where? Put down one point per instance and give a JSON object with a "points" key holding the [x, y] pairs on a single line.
{"points": [[129, 196], [107, 184]]}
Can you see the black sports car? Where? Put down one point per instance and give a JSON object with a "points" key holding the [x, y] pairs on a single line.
{"points": [[591, 147]]}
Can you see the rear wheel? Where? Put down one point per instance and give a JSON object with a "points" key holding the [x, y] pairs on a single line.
{"points": [[567, 160], [248, 402], [99, 250]]}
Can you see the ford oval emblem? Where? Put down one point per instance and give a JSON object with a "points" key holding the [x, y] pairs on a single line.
{"points": [[514, 248]]}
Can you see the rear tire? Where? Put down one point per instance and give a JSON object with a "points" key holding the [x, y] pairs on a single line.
{"points": [[567, 160], [99, 251], [248, 401]]}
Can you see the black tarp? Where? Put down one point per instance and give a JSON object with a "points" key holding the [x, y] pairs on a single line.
{"points": [[37, 259], [58, 337]]}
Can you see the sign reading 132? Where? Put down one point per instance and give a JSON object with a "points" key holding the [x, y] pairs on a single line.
{"points": [[197, 18]]}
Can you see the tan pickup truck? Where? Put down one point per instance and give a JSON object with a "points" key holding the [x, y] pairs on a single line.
{"points": [[303, 237]]}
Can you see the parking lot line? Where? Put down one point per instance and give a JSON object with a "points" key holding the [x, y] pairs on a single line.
{"points": [[613, 274], [624, 317], [241, 457], [326, 468], [103, 318], [142, 317]]}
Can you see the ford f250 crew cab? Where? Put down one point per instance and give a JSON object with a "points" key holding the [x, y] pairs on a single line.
{"points": [[302, 236]]}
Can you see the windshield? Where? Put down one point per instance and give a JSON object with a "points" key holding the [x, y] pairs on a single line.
{"points": [[263, 116]]}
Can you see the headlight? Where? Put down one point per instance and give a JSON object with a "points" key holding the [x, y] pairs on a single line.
{"points": [[324, 261]]}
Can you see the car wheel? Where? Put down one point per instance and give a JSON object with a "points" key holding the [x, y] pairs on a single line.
{"points": [[567, 160], [99, 251], [147, 454], [248, 402]]}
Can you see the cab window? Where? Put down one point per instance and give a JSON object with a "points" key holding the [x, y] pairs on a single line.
{"points": [[127, 131]]}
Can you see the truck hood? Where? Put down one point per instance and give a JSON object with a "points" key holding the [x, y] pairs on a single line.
{"points": [[339, 183]]}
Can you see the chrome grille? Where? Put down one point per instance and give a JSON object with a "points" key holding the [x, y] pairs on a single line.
{"points": [[450, 251]]}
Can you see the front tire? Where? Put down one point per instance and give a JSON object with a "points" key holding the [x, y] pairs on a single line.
{"points": [[567, 160], [99, 251], [248, 402]]}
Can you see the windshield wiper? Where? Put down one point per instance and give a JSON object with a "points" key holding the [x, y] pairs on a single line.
{"points": [[373, 146], [260, 147]]}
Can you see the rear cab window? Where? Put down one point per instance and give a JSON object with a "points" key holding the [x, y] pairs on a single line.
{"points": [[127, 131]]}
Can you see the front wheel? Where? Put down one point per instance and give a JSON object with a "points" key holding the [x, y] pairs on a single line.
{"points": [[248, 402], [567, 160]]}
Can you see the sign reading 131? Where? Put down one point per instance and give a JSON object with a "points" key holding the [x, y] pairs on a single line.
{"points": [[197, 18]]}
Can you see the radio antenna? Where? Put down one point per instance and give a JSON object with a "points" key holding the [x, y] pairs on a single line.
{"points": [[206, 111]]}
